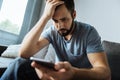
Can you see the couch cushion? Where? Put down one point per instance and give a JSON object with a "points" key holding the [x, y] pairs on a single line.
{"points": [[113, 54], [4, 62], [13, 50], [2, 49]]}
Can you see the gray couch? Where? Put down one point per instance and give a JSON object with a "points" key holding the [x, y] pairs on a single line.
{"points": [[112, 50], [8, 54], [113, 54]]}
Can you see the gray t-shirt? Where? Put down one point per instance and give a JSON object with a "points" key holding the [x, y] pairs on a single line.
{"points": [[85, 40]]}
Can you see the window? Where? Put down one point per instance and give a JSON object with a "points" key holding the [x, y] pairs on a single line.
{"points": [[11, 15], [17, 17]]}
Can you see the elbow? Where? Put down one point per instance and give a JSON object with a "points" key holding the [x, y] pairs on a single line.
{"points": [[108, 75], [105, 74], [23, 54], [26, 52]]}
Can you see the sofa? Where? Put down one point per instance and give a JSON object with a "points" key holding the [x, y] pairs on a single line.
{"points": [[112, 50], [8, 54]]}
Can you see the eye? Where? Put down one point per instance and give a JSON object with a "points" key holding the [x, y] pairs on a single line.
{"points": [[56, 21], [64, 19]]}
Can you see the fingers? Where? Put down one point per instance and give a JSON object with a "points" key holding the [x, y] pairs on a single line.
{"points": [[42, 72], [38, 66], [39, 73], [44, 76], [63, 66], [34, 64], [51, 78], [55, 2], [50, 8]]}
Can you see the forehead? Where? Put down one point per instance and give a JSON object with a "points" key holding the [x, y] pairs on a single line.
{"points": [[54, 0], [61, 12]]}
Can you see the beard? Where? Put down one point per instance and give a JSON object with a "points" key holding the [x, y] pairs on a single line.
{"points": [[64, 32]]}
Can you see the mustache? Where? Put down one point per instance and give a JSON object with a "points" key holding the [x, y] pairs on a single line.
{"points": [[62, 29]]}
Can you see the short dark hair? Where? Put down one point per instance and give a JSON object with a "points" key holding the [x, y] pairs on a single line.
{"points": [[69, 5]]}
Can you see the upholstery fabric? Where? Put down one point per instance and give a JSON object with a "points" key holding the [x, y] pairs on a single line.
{"points": [[13, 50], [112, 50], [47, 53]]}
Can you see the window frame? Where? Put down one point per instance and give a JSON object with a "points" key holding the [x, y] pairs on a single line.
{"points": [[1, 3], [32, 14]]}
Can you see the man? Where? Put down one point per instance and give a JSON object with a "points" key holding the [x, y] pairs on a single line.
{"points": [[77, 45]]}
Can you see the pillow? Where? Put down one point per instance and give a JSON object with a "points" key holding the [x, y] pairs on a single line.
{"points": [[112, 50], [12, 52]]}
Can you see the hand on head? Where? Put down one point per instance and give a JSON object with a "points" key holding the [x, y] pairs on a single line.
{"points": [[50, 7]]}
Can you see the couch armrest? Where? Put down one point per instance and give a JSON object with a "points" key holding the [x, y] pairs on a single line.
{"points": [[2, 49]]}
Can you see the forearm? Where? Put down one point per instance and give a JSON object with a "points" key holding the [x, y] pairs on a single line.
{"points": [[98, 73], [31, 39]]}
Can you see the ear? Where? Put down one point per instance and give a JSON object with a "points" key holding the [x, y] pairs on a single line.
{"points": [[74, 14]]}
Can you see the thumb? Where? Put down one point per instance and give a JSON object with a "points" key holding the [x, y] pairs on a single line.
{"points": [[62, 66], [33, 64], [39, 72], [36, 65]]}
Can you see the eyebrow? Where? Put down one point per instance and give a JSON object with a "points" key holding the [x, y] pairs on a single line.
{"points": [[54, 19], [63, 18], [60, 19]]}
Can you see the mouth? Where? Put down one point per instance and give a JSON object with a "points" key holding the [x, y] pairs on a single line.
{"points": [[62, 30]]}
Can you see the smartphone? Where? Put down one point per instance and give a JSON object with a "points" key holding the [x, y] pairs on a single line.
{"points": [[43, 62]]}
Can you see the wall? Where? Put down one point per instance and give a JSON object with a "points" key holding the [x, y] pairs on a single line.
{"points": [[103, 14]]}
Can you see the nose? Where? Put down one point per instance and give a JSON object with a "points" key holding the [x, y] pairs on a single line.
{"points": [[60, 24]]}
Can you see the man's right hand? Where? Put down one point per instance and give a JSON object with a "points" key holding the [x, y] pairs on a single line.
{"points": [[63, 71], [50, 8]]}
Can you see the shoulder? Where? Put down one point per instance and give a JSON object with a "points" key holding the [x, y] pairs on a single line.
{"points": [[84, 26]]}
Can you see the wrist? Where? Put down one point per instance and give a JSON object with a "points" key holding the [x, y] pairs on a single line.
{"points": [[45, 17], [74, 74], [74, 77]]}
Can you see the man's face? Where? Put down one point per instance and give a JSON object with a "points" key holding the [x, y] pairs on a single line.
{"points": [[63, 20]]}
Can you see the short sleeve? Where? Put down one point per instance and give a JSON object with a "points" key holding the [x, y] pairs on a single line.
{"points": [[94, 42], [46, 34]]}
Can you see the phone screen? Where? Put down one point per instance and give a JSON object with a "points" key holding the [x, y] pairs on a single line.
{"points": [[43, 62]]}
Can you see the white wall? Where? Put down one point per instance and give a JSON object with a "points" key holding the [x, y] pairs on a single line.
{"points": [[104, 15]]}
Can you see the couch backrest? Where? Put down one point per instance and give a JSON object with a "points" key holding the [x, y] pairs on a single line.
{"points": [[2, 49], [112, 50]]}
